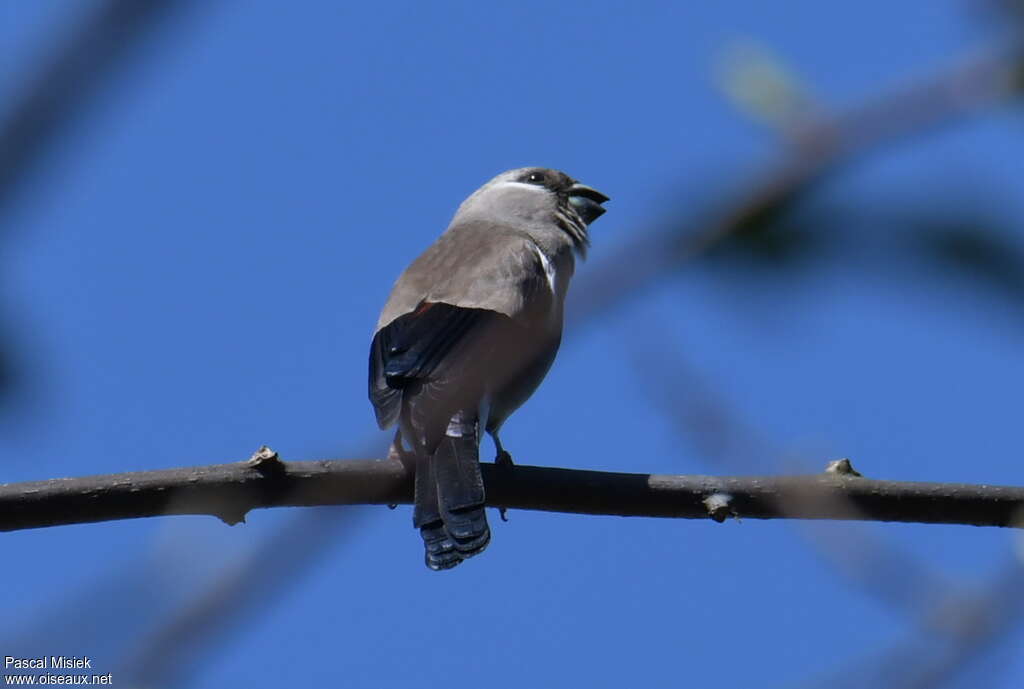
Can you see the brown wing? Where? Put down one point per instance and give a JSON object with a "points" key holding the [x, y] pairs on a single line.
{"points": [[475, 265]]}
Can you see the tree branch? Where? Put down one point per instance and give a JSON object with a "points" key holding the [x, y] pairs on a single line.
{"points": [[229, 491]]}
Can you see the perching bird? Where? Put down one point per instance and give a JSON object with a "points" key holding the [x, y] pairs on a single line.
{"points": [[468, 333]]}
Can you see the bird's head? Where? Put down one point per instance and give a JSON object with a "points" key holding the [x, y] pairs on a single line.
{"points": [[539, 196]]}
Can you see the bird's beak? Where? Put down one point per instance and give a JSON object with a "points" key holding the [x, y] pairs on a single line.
{"points": [[587, 202]]}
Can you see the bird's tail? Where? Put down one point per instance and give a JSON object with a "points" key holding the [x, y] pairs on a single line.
{"points": [[449, 509]]}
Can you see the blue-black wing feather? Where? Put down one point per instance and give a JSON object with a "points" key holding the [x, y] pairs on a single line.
{"points": [[416, 349]]}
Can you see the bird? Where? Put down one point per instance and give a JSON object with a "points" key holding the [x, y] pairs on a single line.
{"points": [[469, 331]]}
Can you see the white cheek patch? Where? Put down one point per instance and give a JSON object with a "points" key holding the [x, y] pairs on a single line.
{"points": [[523, 185], [549, 268]]}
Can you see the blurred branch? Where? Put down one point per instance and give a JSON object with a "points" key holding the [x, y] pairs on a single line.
{"points": [[229, 491], [973, 626], [955, 626], [172, 653], [703, 415], [818, 148], [978, 624], [53, 100]]}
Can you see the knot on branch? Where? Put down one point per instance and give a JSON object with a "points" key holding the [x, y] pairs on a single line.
{"points": [[841, 467], [719, 506], [266, 461]]}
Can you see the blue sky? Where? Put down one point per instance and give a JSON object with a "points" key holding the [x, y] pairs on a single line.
{"points": [[195, 269]]}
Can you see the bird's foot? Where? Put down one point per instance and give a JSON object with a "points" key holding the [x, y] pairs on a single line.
{"points": [[504, 462], [504, 459]]}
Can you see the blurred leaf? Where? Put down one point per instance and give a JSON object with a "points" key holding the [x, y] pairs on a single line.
{"points": [[761, 84]]}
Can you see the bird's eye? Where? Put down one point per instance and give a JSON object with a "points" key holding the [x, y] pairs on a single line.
{"points": [[536, 178]]}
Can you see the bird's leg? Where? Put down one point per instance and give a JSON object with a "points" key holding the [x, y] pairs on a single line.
{"points": [[399, 454], [504, 462], [396, 453], [503, 458]]}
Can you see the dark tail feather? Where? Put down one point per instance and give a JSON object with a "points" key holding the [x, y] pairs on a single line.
{"points": [[441, 551], [460, 493]]}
